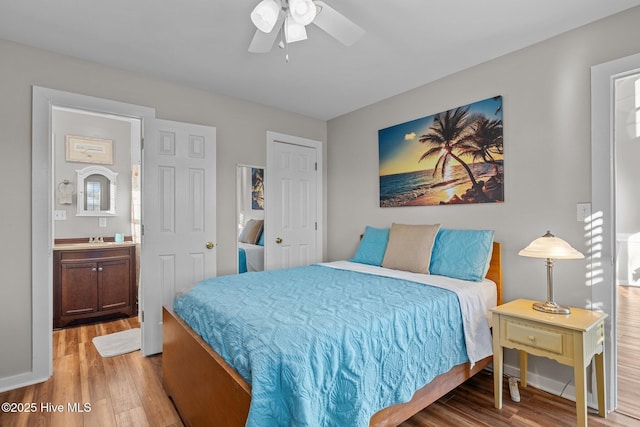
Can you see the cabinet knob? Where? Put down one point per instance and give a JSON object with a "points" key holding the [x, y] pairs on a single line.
{"points": [[532, 338], [209, 245], [100, 269], [278, 240], [94, 269]]}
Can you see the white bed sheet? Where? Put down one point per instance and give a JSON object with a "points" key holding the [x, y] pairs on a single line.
{"points": [[476, 298], [254, 255]]}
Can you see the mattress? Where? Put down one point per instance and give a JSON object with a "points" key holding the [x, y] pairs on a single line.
{"points": [[328, 344]]}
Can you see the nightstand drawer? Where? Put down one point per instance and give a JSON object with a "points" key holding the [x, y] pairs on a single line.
{"points": [[540, 338]]}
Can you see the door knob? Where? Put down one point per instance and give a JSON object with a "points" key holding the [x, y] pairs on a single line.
{"points": [[210, 245], [278, 240]]}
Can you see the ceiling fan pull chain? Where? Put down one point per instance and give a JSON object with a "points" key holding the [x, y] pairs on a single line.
{"points": [[284, 45]]}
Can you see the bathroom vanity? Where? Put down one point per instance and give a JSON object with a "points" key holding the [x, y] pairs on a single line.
{"points": [[93, 280]]}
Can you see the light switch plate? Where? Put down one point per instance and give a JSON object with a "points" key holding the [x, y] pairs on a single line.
{"points": [[102, 222], [583, 211], [60, 215]]}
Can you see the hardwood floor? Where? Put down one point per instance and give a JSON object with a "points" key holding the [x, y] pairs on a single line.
{"points": [[629, 350], [127, 391], [121, 391], [471, 404]]}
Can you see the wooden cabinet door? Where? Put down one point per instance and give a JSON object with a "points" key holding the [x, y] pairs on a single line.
{"points": [[78, 291], [93, 283], [114, 284]]}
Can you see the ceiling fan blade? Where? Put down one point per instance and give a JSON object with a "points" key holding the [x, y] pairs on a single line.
{"points": [[263, 42], [337, 25]]}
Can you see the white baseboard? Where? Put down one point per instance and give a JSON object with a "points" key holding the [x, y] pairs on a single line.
{"points": [[20, 380]]}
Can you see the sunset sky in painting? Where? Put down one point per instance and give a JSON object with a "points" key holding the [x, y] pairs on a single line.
{"points": [[400, 148]]}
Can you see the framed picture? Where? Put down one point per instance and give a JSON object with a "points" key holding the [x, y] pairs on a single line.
{"points": [[89, 150], [450, 158]]}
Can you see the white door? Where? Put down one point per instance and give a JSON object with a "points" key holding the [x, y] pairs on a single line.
{"points": [[293, 201], [179, 218]]}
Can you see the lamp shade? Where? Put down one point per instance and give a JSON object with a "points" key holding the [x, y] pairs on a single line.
{"points": [[294, 32], [265, 15], [550, 246], [302, 11]]}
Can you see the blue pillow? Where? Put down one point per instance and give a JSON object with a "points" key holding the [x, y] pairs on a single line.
{"points": [[261, 239], [372, 246], [462, 254]]}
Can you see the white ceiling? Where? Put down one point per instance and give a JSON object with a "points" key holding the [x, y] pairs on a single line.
{"points": [[203, 43]]}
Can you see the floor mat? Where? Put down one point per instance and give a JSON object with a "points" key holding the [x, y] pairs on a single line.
{"points": [[118, 343]]}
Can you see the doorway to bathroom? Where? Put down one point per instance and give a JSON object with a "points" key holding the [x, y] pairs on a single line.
{"points": [[96, 164], [178, 233]]}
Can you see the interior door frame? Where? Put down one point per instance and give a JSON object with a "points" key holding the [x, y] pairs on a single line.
{"points": [[272, 139], [42, 193], [601, 230]]}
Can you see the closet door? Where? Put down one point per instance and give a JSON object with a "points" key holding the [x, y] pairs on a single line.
{"points": [[293, 205], [179, 218]]}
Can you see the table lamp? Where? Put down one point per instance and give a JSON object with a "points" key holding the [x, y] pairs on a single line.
{"points": [[550, 247]]}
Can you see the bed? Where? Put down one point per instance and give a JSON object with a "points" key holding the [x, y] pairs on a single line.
{"points": [[250, 257], [208, 391], [251, 246]]}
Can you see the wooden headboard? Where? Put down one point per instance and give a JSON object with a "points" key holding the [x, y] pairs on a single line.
{"points": [[495, 269]]}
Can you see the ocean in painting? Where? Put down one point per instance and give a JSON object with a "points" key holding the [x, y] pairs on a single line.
{"points": [[421, 188]]}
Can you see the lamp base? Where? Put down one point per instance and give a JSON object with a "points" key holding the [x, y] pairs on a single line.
{"points": [[551, 307]]}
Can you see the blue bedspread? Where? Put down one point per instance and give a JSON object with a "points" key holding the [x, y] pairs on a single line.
{"points": [[242, 261], [323, 346]]}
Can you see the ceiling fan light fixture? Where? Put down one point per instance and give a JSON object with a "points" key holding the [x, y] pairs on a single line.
{"points": [[286, 21], [302, 11], [294, 32], [265, 15]]}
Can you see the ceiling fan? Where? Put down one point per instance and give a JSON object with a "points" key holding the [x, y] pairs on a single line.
{"points": [[271, 17]]}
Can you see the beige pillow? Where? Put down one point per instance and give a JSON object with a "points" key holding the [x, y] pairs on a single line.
{"points": [[409, 247], [251, 231]]}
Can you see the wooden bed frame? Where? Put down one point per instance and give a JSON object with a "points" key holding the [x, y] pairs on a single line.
{"points": [[207, 391]]}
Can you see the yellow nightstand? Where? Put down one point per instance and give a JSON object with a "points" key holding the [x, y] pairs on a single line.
{"points": [[571, 339]]}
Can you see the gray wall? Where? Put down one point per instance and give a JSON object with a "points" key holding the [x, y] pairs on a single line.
{"points": [[119, 132], [241, 138], [547, 104]]}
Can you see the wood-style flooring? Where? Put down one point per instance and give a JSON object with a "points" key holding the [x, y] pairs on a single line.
{"points": [[629, 350], [122, 391], [127, 391]]}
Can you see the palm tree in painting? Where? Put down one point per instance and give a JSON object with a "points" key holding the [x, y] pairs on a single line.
{"points": [[487, 142], [451, 131]]}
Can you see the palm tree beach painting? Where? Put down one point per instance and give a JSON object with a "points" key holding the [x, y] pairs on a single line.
{"points": [[454, 157]]}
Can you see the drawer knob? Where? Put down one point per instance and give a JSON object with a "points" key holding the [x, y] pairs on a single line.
{"points": [[532, 338]]}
